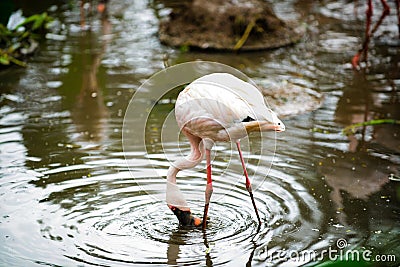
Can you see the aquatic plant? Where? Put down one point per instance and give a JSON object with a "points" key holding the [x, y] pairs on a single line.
{"points": [[352, 128], [21, 37]]}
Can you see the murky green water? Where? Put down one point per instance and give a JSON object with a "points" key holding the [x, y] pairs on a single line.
{"points": [[68, 198]]}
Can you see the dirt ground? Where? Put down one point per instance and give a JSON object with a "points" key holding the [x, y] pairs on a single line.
{"points": [[227, 25]]}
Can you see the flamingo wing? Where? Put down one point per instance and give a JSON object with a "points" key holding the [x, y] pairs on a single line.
{"points": [[209, 110], [221, 107]]}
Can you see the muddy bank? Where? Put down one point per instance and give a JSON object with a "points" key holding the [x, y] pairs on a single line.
{"points": [[227, 25]]}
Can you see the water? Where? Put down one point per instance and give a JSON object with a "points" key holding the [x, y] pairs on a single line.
{"points": [[68, 198]]}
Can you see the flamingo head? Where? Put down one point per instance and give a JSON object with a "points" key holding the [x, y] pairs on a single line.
{"points": [[185, 217], [270, 121], [265, 123]]}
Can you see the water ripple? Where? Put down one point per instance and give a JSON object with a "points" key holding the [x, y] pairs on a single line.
{"points": [[68, 196], [109, 219]]}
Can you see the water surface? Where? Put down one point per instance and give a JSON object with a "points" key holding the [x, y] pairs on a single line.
{"points": [[69, 198]]}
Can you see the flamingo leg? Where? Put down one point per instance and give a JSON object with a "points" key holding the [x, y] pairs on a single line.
{"points": [[385, 12], [209, 187], [369, 33], [398, 14], [363, 51], [248, 183]]}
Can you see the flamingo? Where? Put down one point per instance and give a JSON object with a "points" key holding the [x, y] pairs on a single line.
{"points": [[215, 107]]}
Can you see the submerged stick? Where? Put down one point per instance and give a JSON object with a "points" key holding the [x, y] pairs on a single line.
{"points": [[351, 128]]}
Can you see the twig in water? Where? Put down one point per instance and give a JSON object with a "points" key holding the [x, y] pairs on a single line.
{"points": [[351, 128], [245, 35]]}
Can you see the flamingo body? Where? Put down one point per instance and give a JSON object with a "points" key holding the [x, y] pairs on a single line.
{"points": [[215, 107]]}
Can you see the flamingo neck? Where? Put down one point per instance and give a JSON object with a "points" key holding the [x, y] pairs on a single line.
{"points": [[190, 161], [174, 196]]}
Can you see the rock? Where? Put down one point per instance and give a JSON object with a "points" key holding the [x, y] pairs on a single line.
{"points": [[288, 99], [222, 25]]}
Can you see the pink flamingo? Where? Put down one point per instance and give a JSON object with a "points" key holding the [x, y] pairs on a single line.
{"points": [[363, 52], [215, 107]]}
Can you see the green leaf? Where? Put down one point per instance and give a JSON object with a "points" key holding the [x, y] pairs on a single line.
{"points": [[39, 22], [17, 62], [14, 47], [4, 59]]}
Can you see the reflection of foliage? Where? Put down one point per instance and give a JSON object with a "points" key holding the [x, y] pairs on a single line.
{"points": [[22, 39], [351, 128]]}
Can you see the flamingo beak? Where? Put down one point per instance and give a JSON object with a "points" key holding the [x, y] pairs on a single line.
{"points": [[186, 218], [265, 126]]}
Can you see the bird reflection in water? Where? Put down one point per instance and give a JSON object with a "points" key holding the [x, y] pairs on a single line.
{"points": [[89, 112], [364, 168], [86, 9], [181, 238]]}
